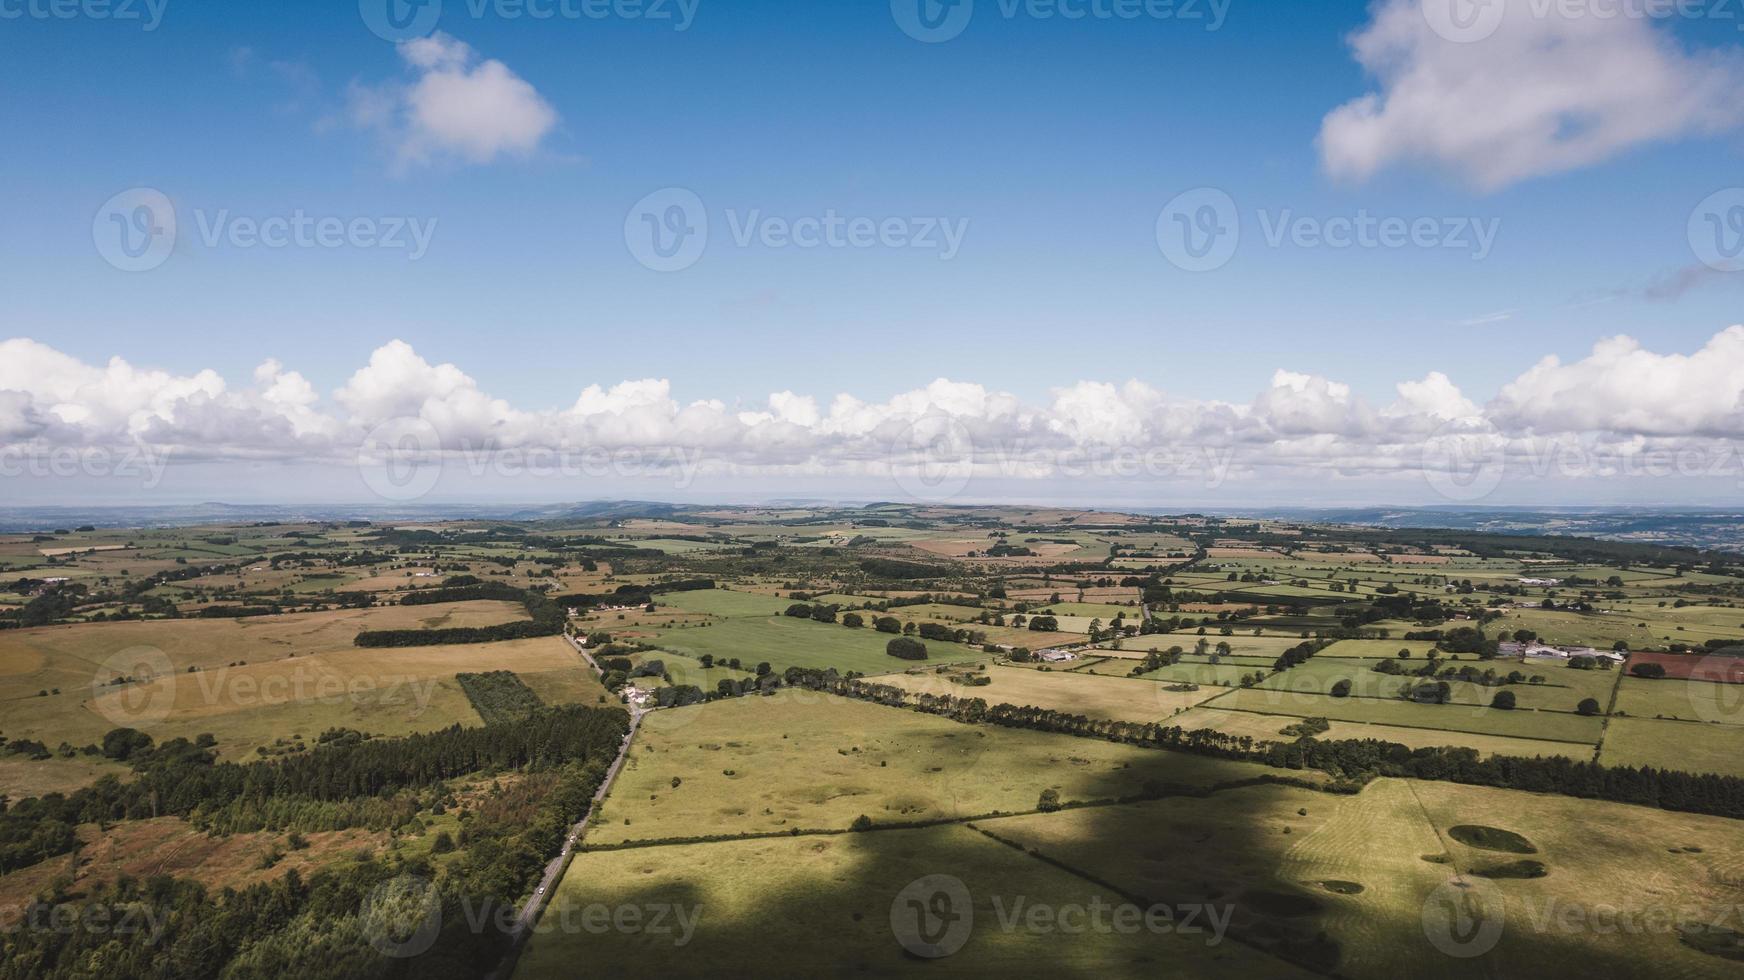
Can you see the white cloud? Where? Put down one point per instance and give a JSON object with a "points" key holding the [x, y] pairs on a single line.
{"points": [[456, 107], [1620, 400], [1545, 93], [1621, 387]]}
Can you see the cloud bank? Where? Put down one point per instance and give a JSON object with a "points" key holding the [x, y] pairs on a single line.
{"points": [[1619, 402]]}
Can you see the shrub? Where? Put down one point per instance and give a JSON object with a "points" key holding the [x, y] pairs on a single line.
{"points": [[904, 648]]}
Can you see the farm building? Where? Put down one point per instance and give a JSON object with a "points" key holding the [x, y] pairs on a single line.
{"points": [[1051, 656]]}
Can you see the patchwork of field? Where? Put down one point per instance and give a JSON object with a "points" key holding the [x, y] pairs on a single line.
{"points": [[1547, 725], [1116, 699], [392, 691], [786, 641], [1563, 687], [1379, 874], [1682, 745], [1270, 728], [816, 762], [1687, 700], [841, 899]]}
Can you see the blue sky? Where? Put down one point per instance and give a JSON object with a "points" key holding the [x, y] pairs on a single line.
{"points": [[1055, 143]]}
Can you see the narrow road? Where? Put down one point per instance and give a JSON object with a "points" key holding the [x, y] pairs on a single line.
{"points": [[529, 913]]}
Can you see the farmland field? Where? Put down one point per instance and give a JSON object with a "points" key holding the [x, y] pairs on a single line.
{"points": [[784, 641], [1547, 725], [817, 762], [832, 896], [792, 808], [1095, 697], [1682, 745]]}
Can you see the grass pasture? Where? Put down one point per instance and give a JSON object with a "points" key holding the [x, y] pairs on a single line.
{"points": [[1545, 725], [1689, 746], [390, 691], [1270, 728], [786, 641], [1112, 698], [724, 602], [816, 762], [836, 899]]}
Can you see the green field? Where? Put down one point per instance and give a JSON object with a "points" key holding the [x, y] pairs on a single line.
{"points": [[1563, 688], [786, 641], [725, 602], [836, 899], [1092, 696], [1547, 725], [1689, 746], [814, 761], [1688, 700]]}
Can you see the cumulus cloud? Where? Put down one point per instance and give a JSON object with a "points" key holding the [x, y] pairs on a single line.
{"points": [[457, 106], [1546, 92], [1621, 387], [1619, 400]]}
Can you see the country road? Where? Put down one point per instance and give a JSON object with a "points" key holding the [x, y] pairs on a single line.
{"points": [[529, 913]]}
